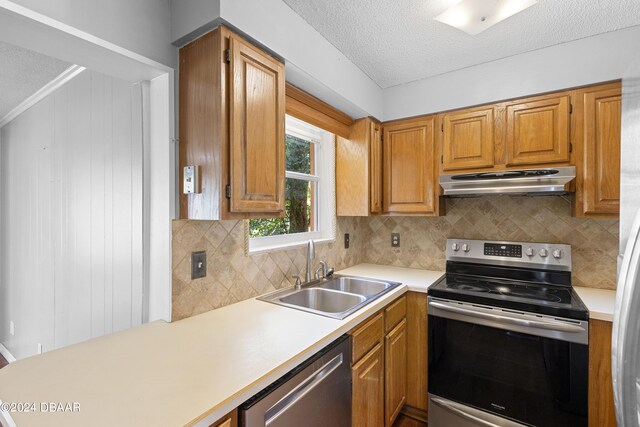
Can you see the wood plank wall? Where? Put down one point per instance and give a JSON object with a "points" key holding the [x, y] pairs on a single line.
{"points": [[71, 215]]}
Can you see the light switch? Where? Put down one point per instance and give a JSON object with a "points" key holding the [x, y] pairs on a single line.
{"points": [[191, 180]]}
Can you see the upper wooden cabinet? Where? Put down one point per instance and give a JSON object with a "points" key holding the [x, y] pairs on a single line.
{"points": [[409, 169], [256, 129], [359, 170], [468, 140], [232, 107], [597, 134], [538, 130]]}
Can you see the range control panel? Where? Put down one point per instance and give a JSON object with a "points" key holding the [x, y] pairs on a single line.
{"points": [[552, 256], [500, 249]]}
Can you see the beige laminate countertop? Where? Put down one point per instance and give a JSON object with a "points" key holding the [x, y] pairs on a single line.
{"points": [[193, 370], [600, 302]]}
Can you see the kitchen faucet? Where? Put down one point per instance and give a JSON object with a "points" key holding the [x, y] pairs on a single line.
{"points": [[311, 255]]}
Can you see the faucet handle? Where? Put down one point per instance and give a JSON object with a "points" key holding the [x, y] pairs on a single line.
{"points": [[298, 280], [329, 272], [323, 269]]}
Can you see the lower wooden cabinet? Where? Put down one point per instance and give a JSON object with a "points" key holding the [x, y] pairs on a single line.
{"points": [[368, 389], [395, 372], [229, 420], [601, 407], [379, 367], [417, 360]]}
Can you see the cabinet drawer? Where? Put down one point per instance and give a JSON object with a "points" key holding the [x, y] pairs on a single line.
{"points": [[395, 312], [365, 337]]}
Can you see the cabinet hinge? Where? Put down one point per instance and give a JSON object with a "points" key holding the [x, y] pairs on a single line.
{"points": [[227, 191], [571, 147], [570, 108], [227, 55]]}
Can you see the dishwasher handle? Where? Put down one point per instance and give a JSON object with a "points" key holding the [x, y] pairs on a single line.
{"points": [[303, 389]]}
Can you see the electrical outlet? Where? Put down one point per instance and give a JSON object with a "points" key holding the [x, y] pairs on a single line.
{"points": [[346, 240], [198, 264], [395, 240], [39, 348], [12, 328]]}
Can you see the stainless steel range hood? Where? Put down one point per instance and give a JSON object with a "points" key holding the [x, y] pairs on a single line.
{"points": [[525, 181]]}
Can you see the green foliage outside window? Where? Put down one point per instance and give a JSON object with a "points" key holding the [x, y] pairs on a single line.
{"points": [[297, 195]]}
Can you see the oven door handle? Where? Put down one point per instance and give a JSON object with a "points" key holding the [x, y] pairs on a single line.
{"points": [[549, 325], [451, 408]]}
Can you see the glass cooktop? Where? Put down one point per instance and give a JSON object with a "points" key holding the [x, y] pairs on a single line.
{"points": [[520, 295]]}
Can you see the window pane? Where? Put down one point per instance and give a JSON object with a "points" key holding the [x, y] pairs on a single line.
{"points": [[300, 212], [299, 155]]}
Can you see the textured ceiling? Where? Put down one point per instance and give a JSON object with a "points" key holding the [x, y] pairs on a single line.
{"points": [[22, 73], [398, 41]]}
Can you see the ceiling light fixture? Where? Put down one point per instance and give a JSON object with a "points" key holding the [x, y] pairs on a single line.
{"points": [[475, 16]]}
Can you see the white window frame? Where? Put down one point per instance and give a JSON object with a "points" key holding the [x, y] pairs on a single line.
{"points": [[325, 228]]}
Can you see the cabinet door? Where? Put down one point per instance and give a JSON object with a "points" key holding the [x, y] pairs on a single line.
{"points": [[368, 389], [256, 129], [359, 170], [396, 372], [601, 407], [468, 139], [409, 169], [375, 171], [602, 122], [538, 131]]}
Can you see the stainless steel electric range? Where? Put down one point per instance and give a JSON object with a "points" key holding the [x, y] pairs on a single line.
{"points": [[508, 338]]}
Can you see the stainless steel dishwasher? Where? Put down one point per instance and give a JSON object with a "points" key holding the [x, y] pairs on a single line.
{"points": [[316, 393]]}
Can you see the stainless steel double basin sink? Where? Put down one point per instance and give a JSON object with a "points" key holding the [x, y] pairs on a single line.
{"points": [[335, 297]]}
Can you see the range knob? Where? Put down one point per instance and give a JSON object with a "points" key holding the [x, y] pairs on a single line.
{"points": [[529, 252], [544, 253], [557, 253], [465, 247], [455, 247]]}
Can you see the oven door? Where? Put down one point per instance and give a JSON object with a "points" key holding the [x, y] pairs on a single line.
{"points": [[522, 367]]}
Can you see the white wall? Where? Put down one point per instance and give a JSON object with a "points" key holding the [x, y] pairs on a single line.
{"points": [[590, 60], [312, 63], [142, 26], [191, 18], [71, 215]]}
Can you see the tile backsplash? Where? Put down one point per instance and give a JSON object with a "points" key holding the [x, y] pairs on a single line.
{"points": [[233, 276], [594, 242]]}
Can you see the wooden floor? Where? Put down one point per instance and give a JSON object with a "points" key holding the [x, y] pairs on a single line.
{"points": [[3, 362], [404, 421]]}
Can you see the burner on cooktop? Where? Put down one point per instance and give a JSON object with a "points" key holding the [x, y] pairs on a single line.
{"points": [[539, 294], [469, 287]]}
